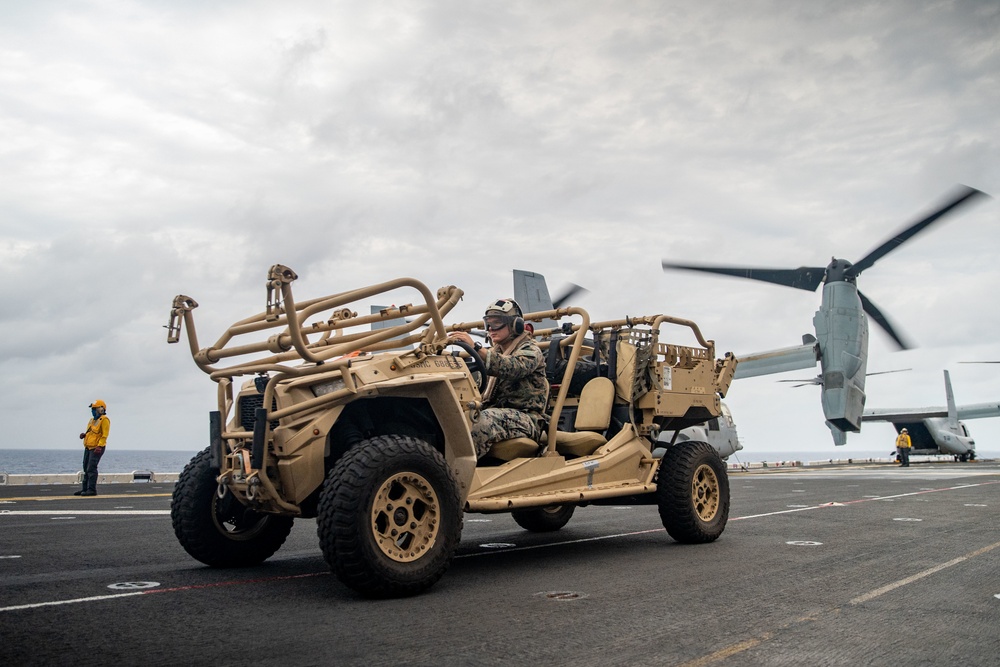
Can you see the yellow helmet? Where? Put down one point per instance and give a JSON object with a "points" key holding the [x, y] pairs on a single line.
{"points": [[99, 404]]}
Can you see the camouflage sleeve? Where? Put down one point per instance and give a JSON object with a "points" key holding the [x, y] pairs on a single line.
{"points": [[520, 364]]}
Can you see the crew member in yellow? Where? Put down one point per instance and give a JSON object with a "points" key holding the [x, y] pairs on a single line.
{"points": [[95, 439], [903, 445]]}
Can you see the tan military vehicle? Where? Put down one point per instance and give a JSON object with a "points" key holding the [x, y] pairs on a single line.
{"points": [[363, 422]]}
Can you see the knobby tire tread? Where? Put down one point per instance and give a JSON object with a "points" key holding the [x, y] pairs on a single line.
{"points": [[343, 521], [673, 490], [191, 510]]}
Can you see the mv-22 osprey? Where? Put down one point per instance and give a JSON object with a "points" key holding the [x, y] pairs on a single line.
{"points": [[937, 430], [841, 341]]}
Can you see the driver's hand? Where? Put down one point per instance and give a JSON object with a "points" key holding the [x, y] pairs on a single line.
{"points": [[462, 336]]}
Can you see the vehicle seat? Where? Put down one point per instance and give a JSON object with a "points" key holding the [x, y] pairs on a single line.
{"points": [[592, 419], [514, 448]]}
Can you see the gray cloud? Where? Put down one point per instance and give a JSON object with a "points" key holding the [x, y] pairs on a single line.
{"points": [[186, 148]]}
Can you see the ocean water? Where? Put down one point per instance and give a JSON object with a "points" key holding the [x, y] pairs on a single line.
{"points": [[70, 461]]}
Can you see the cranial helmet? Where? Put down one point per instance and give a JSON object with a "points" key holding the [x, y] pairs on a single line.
{"points": [[904, 431], [98, 404], [509, 312]]}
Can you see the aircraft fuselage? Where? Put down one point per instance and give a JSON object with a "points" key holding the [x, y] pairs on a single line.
{"points": [[939, 435], [842, 334]]}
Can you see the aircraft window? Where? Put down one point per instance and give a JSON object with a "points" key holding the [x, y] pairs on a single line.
{"points": [[713, 424]]}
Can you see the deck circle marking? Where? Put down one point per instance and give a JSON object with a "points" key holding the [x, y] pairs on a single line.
{"points": [[975, 505], [497, 545], [803, 543], [905, 518], [478, 520], [133, 585]]}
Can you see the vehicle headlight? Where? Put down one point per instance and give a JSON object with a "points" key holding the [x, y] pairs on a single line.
{"points": [[324, 388]]}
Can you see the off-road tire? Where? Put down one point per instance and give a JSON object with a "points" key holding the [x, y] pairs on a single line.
{"points": [[390, 517], [693, 492], [221, 532], [543, 519]]}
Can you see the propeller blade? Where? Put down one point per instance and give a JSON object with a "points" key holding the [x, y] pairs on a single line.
{"points": [[572, 290], [979, 362], [818, 380], [898, 370], [805, 277], [882, 321], [964, 195]]}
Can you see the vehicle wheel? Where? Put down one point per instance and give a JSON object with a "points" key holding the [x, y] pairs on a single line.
{"points": [[389, 517], [543, 519], [693, 492], [221, 532]]}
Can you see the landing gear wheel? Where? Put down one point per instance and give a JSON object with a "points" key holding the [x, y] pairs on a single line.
{"points": [[693, 492], [543, 519], [221, 532], [389, 517], [475, 362]]}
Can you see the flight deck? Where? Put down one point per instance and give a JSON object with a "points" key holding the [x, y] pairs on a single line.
{"points": [[853, 564]]}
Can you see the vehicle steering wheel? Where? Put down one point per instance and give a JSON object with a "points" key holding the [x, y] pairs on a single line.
{"points": [[474, 362]]}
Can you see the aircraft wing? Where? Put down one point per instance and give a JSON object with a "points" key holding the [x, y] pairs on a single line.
{"points": [[971, 411], [778, 361]]}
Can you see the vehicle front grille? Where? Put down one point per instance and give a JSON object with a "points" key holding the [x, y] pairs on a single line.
{"points": [[247, 405]]}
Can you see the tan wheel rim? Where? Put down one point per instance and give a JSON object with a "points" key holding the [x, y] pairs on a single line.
{"points": [[405, 517], [705, 492]]}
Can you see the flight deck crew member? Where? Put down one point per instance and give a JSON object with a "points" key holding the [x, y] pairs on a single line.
{"points": [[95, 439], [903, 445], [517, 390]]}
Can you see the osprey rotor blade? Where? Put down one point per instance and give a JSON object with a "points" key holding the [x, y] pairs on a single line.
{"points": [[897, 370], [964, 194], [572, 290], [882, 321], [805, 277], [818, 380]]}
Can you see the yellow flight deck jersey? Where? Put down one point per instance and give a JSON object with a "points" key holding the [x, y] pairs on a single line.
{"points": [[97, 432], [903, 440]]}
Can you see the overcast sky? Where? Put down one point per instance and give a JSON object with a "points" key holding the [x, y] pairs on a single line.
{"points": [[150, 149]]}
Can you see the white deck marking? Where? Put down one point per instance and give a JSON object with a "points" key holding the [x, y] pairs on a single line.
{"points": [[501, 551], [920, 575], [153, 591], [63, 513]]}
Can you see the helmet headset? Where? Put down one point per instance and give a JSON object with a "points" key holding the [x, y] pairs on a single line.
{"points": [[509, 312]]}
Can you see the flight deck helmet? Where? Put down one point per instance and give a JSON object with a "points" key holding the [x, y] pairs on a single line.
{"points": [[508, 312]]}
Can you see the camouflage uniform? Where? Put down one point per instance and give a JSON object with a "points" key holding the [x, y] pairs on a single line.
{"points": [[520, 391]]}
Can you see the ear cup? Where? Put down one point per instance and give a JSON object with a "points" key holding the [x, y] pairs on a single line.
{"points": [[518, 326]]}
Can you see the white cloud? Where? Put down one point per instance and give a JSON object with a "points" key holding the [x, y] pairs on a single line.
{"points": [[151, 149]]}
